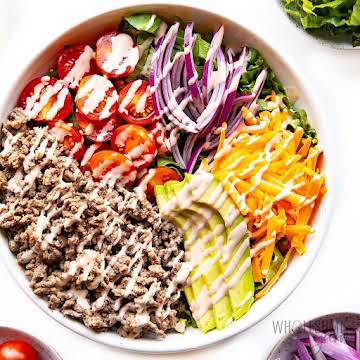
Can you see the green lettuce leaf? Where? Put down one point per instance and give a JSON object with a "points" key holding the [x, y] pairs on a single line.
{"points": [[141, 22], [201, 46], [336, 17], [300, 119], [255, 65], [168, 161]]}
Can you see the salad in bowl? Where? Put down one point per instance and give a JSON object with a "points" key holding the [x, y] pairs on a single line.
{"points": [[157, 178]]}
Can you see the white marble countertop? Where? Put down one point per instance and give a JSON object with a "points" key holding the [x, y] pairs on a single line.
{"points": [[330, 286]]}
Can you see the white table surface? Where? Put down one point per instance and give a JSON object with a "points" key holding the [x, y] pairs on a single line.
{"points": [[330, 286]]}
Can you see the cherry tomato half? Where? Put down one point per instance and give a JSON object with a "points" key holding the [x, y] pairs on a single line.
{"points": [[136, 143], [116, 54], [116, 166], [75, 62], [135, 103], [96, 98], [18, 350], [157, 176], [159, 133], [90, 151], [99, 131], [69, 136], [46, 98]]}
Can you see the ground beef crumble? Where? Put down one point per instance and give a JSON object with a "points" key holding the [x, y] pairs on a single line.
{"points": [[100, 255]]}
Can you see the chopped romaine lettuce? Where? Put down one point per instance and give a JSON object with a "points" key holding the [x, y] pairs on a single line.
{"points": [[300, 120], [144, 22], [255, 65]]}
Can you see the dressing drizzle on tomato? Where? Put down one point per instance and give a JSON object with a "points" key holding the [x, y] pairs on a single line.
{"points": [[80, 68]]}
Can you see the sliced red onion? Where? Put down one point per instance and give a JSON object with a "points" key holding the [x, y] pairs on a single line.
{"points": [[152, 77], [217, 95], [191, 73], [302, 350], [192, 111], [177, 71], [244, 98], [238, 69], [199, 106], [259, 83], [188, 146], [357, 341], [177, 156], [235, 122], [315, 349], [208, 66], [339, 330], [194, 156], [331, 346], [165, 98]]}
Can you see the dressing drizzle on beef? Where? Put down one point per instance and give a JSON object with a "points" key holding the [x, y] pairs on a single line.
{"points": [[100, 254]]}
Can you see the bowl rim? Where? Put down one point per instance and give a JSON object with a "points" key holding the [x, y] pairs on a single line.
{"points": [[154, 346]]}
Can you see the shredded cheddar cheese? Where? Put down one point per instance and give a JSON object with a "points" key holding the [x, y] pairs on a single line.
{"points": [[273, 176]]}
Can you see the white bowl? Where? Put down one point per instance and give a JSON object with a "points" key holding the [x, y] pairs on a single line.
{"points": [[235, 35]]}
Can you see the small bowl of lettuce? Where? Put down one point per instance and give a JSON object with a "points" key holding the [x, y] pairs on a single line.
{"points": [[336, 22]]}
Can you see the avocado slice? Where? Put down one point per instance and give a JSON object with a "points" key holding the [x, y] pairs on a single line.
{"points": [[207, 321], [241, 294], [228, 275], [211, 240]]}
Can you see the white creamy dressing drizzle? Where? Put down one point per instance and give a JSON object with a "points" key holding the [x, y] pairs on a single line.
{"points": [[261, 245], [120, 174], [80, 68], [124, 55], [159, 135], [140, 105], [139, 155], [42, 94], [9, 143], [129, 96], [150, 22], [104, 133], [95, 89], [81, 297], [141, 188], [89, 153], [50, 211], [21, 183]]}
